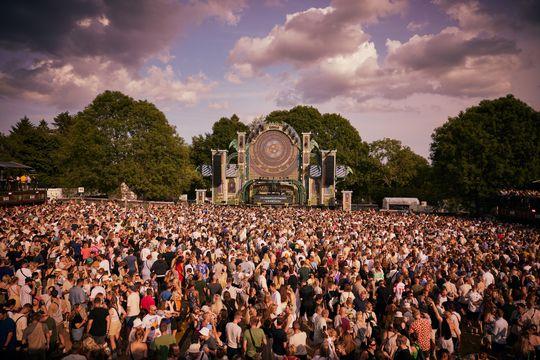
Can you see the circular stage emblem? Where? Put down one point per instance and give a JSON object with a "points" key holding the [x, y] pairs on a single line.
{"points": [[273, 154]]}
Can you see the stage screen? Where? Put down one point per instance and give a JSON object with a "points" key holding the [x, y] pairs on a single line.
{"points": [[273, 155]]}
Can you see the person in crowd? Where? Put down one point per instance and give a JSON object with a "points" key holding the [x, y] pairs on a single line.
{"points": [[36, 338], [162, 343], [8, 335], [138, 348], [254, 340], [99, 321], [77, 322]]}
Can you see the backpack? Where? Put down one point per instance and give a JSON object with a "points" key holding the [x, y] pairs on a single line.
{"points": [[36, 339]]}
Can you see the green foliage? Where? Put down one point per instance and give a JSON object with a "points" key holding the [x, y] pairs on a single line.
{"points": [[62, 122], [488, 147], [397, 170], [33, 146], [223, 132], [117, 139]]}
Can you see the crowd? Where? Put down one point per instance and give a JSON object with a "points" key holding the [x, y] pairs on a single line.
{"points": [[97, 281], [16, 183]]}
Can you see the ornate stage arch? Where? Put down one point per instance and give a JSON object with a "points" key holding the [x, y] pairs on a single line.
{"points": [[274, 166]]}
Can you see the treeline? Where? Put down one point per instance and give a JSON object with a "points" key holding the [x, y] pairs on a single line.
{"points": [[117, 139]]}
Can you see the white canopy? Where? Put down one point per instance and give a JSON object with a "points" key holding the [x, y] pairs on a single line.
{"points": [[402, 201]]}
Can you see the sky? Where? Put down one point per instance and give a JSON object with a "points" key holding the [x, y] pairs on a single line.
{"points": [[394, 68]]}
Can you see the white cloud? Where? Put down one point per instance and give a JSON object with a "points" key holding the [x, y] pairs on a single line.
{"points": [[274, 3], [468, 14], [376, 105], [311, 35], [104, 20], [85, 23], [415, 26], [223, 105], [238, 72], [459, 61], [448, 63], [88, 49], [228, 11], [71, 84]]}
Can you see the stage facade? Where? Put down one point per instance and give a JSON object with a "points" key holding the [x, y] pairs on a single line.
{"points": [[273, 165]]}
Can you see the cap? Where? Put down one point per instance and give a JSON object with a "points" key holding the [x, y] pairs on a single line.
{"points": [[137, 323], [398, 314]]}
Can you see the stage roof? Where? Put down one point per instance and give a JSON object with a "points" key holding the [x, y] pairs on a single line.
{"points": [[13, 165]]}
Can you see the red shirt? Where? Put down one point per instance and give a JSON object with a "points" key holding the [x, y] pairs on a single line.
{"points": [[85, 252], [146, 302]]}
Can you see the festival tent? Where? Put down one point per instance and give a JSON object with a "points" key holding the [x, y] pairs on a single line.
{"points": [[399, 202]]}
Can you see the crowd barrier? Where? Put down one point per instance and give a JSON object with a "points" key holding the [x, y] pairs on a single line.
{"points": [[125, 202]]}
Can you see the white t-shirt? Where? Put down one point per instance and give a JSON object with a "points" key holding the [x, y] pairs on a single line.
{"points": [[104, 264], [22, 274], [144, 253], [276, 298], [233, 291], [456, 319], [234, 335], [320, 324], [26, 295], [299, 342], [133, 304], [500, 331], [488, 278], [150, 321]]}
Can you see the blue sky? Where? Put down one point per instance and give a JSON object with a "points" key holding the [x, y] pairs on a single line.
{"points": [[394, 68]]}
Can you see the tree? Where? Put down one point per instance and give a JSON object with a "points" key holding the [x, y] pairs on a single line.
{"points": [[488, 147], [331, 131], [32, 145], [223, 132], [117, 139], [397, 170], [62, 122]]}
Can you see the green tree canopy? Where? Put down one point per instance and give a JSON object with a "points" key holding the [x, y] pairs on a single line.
{"points": [[223, 132], [117, 139], [62, 122], [488, 147], [33, 146], [397, 170]]}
